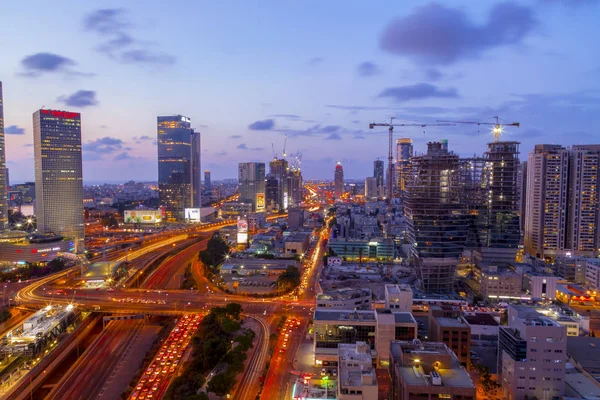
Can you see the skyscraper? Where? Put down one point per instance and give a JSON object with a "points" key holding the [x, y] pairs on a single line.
{"points": [[175, 192], [3, 169], [339, 180], [378, 173], [437, 222], [196, 150], [547, 200], [58, 174], [279, 169], [370, 187], [294, 179], [207, 182], [404, 152], [251, 182]]}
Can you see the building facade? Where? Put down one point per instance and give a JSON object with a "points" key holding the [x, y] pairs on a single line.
{"points": [[196, 170], [3, 170], [398, 298], [278, 169], [207, 181], [58, 174], [456, 334], [338, 180], [404, 152], [175, 191], [251, 181], [357, 379], [378, 167], [371, 191]]}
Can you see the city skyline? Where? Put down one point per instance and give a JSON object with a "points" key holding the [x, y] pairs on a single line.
{"points": [[242, 109]]}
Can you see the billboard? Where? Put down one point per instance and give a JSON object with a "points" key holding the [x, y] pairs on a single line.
{"points": [[192, 215], [260, 202], [142, 216], [242, 230]]}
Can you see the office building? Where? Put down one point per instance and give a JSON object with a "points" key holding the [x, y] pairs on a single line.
{"points": [[404, 152], [345, 299], [295, 217], [272, 193], [3, 170], [251, 181], [427, 371], [541, 286], [378, 172], [371, 191], [294, 187], [196, 170], [278, 169], [338, 180], [532, 353], [357, 379], [175, 153], [456, 334], [562, 213], [501, 285], [592, 274], [570, 267], [398, 298], [207, 181], [374, 327], [58, 174], [437, 221]]}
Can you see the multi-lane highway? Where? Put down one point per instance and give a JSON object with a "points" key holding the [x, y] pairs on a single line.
{"points": [[88, 377]]}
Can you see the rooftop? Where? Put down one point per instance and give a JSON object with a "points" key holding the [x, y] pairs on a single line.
{"points": [[343, 315], [583, 386], [102, 270], [344, 294], [480, 319], [451, 322], [396, 289], [584, 351]]}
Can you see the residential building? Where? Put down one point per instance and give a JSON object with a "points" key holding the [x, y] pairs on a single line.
{"points": [[338, 180], [345, 299], [398, 298], [207, 181], [357, 378], [456, 334], [272, 193], [196, 177], [427, 371], [404, 152], [175, 165], [532, 353], [570, 267], [278, 169], [3, 170], [437, 222], [378, 167], [251, 180], [295, 191], [370, 188], [374, 327], [58, 174]]}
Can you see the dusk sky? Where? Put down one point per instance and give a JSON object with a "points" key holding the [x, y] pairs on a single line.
{"points": [[249, 72]]}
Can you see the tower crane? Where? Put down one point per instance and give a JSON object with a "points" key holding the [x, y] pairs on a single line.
{"points": [[284, 144], [274, 154], [390, 186], [496, 130]]}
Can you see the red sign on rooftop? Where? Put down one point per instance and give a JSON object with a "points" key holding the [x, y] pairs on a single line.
{"points": [[61, 114]]}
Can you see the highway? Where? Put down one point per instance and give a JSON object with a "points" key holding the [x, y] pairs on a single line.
{"points": [[247, 388], [88, 376]]}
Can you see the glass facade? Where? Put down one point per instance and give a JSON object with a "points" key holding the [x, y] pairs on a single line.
{"points": [[329, 336], [3, 183], [251, 181], [174, 139], [58, 174]]}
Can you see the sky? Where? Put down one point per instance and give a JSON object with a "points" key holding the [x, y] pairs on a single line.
{"points": [[251, 73]]}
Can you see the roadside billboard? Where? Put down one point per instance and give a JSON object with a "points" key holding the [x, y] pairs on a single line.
{"points": [[192, 215], [260, 202], [142, 216], [242, 230]]}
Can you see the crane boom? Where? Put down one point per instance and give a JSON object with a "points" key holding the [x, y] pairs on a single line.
{"points": [[496, 130]]}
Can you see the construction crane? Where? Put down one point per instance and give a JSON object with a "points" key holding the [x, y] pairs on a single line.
{"points": [[274, 154], [284, 144], [390, 187], [496, 130]]}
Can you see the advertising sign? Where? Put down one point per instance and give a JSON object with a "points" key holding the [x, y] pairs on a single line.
{"points": [[142, 216], [192, 215], [242, 225], [260, 202], [285, 200]]}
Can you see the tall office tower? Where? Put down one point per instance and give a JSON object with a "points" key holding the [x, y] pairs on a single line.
{"points": [[174, 137], [338, 180], [404, 152], [58, 174], [583, 233], [294, 185], [251, 181], [532, 353], [196, 150], [547, 200], [272, 193], [3, 170], [378, 172], [437, 222], [498, 216], [370, 187], [522, 194], [207, 182], [279, 169]]}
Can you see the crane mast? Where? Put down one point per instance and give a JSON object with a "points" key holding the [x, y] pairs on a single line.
{"points": [[497, 126]]}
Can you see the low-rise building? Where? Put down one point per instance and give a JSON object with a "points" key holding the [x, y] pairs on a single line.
{"points": [[541, 286], [583, 354], [296, 244], [399, 298], [357, 379], [501, 285], [376, 249], [574, 294], [345, 299], [483, 326], [592, 274], [19, 247], [456, 334], [427, 371]]}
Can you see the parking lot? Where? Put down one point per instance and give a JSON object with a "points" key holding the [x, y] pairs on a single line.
{"points": [[252, 283]]}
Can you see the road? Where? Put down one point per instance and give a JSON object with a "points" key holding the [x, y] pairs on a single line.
{"points": [[88, 376], [248, 388]]}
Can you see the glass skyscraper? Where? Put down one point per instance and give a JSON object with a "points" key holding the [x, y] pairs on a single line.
{"points": [[3, 183], [251, 182], [58, 174], [178, 166]]}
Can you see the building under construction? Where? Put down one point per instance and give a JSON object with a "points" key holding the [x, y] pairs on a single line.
{"points": [[437, 219]]}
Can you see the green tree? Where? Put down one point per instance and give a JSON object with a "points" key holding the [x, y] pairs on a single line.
{"points": [[109, 221], [220, 384], [214, 255], [289, 279], [234, 310]]}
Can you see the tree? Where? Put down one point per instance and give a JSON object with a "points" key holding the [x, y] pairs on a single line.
{"points": [[109, 221], [234, 310], [289, 280], [56, 264], [216, 250], [220, 385]]}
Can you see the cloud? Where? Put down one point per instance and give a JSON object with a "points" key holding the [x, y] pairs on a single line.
{"points": [[264, 125], [433, 74], [439, 35], [105, 145], [334, 136], [221, 153], [14, 130], [329, 131], [288, 116], [356, 121], [368, 68], [330, 128], [355, 108], [142, 139], [416, 92], [316, 61], [358, 137], [40, 63], [123, 156], [235, 137], [119, 43], [243, 146], [81, 98]]}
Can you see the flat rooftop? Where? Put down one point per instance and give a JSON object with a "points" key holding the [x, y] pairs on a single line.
{"points": [[397, 289], [480, 319], [451, 377], [585, 387], [451, 322], [344, 294], [343, 315], [584, 351]]}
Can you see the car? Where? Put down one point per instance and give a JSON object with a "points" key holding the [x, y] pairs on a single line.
{"points": [[334, 372], [323, 372]]}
